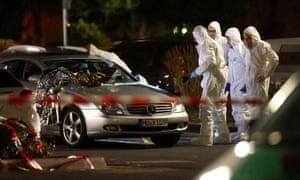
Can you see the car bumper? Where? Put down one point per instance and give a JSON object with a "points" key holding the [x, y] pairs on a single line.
{"points": [[131, 126]]}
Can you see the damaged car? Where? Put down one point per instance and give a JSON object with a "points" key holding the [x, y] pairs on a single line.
{"points": [[112, 102]]}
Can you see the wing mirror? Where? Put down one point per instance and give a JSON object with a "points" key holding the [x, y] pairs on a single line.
{"points": [[141, 79]]}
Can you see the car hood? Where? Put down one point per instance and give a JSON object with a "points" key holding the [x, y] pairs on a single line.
{"points": [[128, 90]]}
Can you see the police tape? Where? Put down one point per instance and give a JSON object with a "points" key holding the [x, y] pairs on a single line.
{"points": [[82, 156], [15, 99]]}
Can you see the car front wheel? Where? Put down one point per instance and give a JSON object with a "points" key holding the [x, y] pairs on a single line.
{"points": [[73, 129], [165, 140]]}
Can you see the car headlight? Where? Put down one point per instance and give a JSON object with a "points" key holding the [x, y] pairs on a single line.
{"points": [[179, 108], [112, 109]]}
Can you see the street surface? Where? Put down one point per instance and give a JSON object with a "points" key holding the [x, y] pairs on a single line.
{"points": [[131, 158]]}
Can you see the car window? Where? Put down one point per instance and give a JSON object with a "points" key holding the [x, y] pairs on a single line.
{"points": [[15, 68], [30, 69], [7, 80], [93, 72], [22, 69], [289, 58]]}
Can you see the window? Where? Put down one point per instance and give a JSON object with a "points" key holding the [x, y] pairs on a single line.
{"points": [[7, 80], [14, 67], [30, 69]]}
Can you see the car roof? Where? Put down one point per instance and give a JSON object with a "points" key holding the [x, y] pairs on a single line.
{"points": [[285, 44], [155, 42], [41, 54], [38, 51]]}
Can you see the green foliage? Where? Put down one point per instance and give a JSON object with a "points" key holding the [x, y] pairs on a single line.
{"points": [[114, 7], [83, 33]]}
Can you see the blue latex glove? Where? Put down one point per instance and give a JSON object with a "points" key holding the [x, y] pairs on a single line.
{"points": [[244, 89], [227, 88], [193, 74]]}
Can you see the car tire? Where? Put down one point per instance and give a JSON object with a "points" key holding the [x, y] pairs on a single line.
{"points": [[166, 140], [73, 128]]}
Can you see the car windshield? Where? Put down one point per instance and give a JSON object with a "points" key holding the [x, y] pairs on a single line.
{"points": [[93, 72]]}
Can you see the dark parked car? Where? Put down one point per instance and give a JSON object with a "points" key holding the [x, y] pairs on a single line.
{"points": [[147, 57], [288, 50]]}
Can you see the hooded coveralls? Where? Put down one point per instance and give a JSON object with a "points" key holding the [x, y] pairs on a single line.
{"points": [[237, 56], [213, 68], [262, 63], [220, 39]]}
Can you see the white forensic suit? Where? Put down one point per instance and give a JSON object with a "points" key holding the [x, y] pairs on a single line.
{"points": [[219, 38], [212, 67], [215, 32], [237, 55], [259, 68]]}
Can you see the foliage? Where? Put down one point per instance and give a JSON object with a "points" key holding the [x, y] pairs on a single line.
{"points": [[120, 19], [84, 33], [144, 19], [181, 60]]}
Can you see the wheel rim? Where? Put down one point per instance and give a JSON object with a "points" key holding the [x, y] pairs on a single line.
{"points": [[72, 128]]}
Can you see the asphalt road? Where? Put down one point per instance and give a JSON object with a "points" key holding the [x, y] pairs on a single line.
{"points": [[125, 159]]}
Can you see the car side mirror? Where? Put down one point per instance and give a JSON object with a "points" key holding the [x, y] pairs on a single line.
{"points": [[141, 79]]}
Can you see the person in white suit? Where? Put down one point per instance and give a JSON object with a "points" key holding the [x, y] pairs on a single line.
{"points": [[212, 68], [237, 56], [215, 32], [259, 67]]}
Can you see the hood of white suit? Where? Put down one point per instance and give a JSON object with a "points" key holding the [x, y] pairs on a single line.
{"points": [[216, 25], [200, 34], [252, 32], [234, 35]]}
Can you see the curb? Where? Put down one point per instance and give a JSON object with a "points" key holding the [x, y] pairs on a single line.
{"points": [[56, 164], [195, 127]]}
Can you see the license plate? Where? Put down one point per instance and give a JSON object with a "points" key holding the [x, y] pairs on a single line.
{"points": [[153, 122]]}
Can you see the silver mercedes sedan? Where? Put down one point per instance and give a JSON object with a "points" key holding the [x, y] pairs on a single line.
{"points": [[81, 97]]}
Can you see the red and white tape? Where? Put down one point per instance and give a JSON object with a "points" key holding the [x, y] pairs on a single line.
{"points": [[34, 164], [82, 156], [113, 99]]}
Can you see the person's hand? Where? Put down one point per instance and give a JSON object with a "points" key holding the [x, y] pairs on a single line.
{"points": [[227, 88], [261, 79], [244, 89], [193, 74]]}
